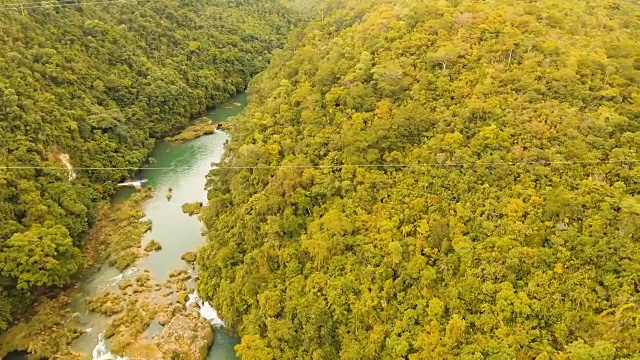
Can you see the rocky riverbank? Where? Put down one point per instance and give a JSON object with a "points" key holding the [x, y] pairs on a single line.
{"points": [[202, 126], [136, 304], [131, 305], [51, 325]]}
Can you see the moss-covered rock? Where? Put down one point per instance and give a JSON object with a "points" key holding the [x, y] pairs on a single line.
{"points": [[167, 313], [125, 284], [106, 304], [201, 127], [153, 245], [143, 280], [124, 259], [226, 126], [190, 257], [182, 298], [142, 350], [177, 273], [126, 328], [192, 209], [181, 286]]}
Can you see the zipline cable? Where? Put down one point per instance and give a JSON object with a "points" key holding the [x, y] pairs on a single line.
{"points": [[259, 167], [40, 5]]}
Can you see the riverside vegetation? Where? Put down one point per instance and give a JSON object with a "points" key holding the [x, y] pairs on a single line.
{"points": [[96, 86], [131, 305], [51, 325], [450, 261]]}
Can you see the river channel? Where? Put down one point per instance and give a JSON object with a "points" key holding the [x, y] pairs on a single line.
{"points": [[175, 231]]}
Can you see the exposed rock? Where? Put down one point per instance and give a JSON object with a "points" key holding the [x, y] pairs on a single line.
{"points": [[153, 246], [167, 313], [186, 337], [562, 226], [106, 304], [201, 127]]}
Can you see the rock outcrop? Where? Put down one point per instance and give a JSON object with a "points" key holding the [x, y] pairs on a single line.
{"points": [[187, 336]]}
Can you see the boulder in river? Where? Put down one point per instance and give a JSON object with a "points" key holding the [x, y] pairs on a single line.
{"points": [[187, 337]]}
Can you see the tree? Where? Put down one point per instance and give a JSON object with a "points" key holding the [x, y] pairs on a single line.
{"points": [[41, 256]]}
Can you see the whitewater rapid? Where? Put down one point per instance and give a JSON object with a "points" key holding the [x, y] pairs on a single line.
{"points": [[100, 352], [207, 312]]}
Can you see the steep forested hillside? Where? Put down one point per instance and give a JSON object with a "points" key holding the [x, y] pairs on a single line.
{"points": [[101, 83], [535, 256]]}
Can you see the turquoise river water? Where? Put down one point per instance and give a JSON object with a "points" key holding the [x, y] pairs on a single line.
{"points": [[175, 231]]}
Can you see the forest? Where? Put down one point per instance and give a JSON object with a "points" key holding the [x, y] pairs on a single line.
{"points": [[99, 84], [443, 179]]}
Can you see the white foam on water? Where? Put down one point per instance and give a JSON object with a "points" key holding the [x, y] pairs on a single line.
{"points": [[209, 313], [100, 352], [206, 310], [126, 273]]}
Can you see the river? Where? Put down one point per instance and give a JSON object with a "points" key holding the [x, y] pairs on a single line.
{"points": [[175, 231]]}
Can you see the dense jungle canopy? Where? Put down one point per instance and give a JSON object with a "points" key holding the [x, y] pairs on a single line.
{"points": [[102, 82], [450, 260]]}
